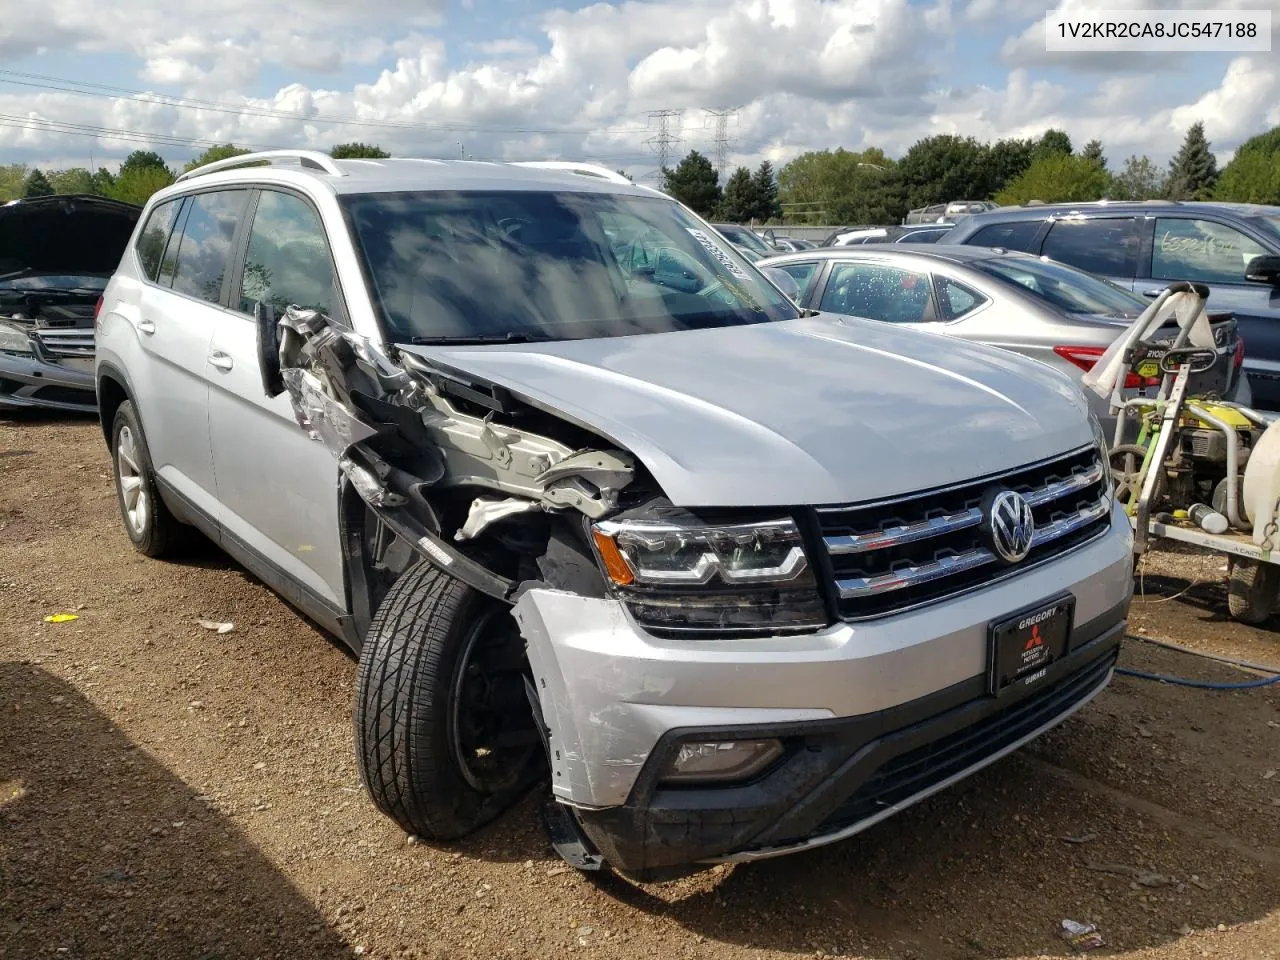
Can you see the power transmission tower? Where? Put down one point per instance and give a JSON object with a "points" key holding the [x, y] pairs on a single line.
{"points": [[667, 123], [722, 117]]}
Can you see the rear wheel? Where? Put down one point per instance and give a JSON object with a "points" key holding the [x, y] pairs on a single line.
{"points": [[1252, 587], [153, 529], [445, 735]]}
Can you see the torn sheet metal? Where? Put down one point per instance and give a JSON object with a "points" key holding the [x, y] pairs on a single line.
{"points": [[345, 392], [487, 510]]}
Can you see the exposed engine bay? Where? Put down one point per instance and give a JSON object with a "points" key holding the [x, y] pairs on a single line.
{"points": [[458, 472]]}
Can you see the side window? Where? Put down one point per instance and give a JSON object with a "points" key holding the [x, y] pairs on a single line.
{"points": [[957, 299], [154, 236], [878, 292], [288, 260], [205, 247], [1018, 235], [803, 273], [1104, 245], [1200, 250]]}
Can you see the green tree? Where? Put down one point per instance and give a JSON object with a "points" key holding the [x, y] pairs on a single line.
{"points": [[1193, 171], [739, 203], [223, 151], [1053, 142], [624, 173], [37, 185], [840, 186], [694, 183], [765, 186], [946, 167], [358, 151], [136, 185], [142, 160], [1057, 178], [12, 178], [73, 180], [1251, 176], [103, 181], [1008, 160], [1093, 151], [1139, 179]]}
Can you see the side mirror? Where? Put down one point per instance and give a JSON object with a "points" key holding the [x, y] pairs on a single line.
{"points": [[1264, 269], [264, 318], [784, 282]]}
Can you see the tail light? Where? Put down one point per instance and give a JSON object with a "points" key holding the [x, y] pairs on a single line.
{"points": [[97, 311], [1238, 359], [1086, 357]]}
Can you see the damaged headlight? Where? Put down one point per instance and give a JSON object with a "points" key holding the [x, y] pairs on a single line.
{"points": [[14, 339], [693, 577]]}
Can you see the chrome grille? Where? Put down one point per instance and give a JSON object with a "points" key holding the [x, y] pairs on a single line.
{"points": [[69, 344], [890, 556]]}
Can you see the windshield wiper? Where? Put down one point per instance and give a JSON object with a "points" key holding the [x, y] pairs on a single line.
{"points": [[470, 339]]}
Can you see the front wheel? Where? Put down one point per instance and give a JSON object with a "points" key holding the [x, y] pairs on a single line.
{"points": [[445, 735]]}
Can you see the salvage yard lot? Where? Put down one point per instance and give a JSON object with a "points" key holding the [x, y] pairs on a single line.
{"points": [[168, 791]]}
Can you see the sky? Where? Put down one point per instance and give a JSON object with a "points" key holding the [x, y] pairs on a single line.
{"points": [[83, 83]]}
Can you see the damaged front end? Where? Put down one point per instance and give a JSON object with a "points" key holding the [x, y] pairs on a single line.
{"points": [[459, 475]]}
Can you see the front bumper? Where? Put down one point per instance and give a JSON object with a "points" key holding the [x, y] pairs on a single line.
{"points": [[854, 703], [34, 382]]}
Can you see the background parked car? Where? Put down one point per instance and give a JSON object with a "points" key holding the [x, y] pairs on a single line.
{"points": [[919, 233], [56, 256], [1045, 310], [1234, 248], [749, 243]]}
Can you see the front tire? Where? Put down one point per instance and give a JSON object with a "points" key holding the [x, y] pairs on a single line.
{"points": [[445, 737], [154, 531]]}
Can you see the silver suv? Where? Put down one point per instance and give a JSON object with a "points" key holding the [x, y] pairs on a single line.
{"points": [[596, 505]]}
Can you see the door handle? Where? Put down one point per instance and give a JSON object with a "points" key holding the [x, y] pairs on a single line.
{"points": [[147, 327], [221, 360]]}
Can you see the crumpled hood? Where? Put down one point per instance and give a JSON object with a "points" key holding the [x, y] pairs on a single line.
{"points": [[811, 411], [67, 234]]}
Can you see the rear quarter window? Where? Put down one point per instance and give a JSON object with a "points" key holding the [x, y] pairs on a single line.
{"points": [[154, 235], [1017, 235]]}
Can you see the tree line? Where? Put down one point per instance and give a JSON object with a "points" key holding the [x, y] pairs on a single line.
{"points": [[868, 187], [832, 186], [142, 173]]}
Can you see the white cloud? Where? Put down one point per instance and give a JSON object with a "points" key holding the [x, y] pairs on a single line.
{"points": [[806, 74]]}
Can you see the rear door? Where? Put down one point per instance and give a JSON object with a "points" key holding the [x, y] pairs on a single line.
{"points": [[178, 313], [878, 290], [1214, 253], [1105, 246], [277, 489]]}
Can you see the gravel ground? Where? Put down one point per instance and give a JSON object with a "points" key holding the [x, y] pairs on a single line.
{"points": [[167, 791]]}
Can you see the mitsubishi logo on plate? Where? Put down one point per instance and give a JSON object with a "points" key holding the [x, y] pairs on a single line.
{"points": [[1009, 525]]}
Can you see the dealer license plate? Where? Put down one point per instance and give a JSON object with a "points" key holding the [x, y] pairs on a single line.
{"points": [[1023, 646]]}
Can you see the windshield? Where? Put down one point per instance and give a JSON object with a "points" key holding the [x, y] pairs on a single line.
{"points": [[1065, 287], [745, 238], [505, 265]]}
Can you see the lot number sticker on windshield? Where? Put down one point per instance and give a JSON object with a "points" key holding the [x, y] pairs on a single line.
{"points": [[718, 252]]}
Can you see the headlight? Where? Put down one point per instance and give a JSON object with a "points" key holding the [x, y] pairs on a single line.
{"points": [[690, 577], [14, 339]]}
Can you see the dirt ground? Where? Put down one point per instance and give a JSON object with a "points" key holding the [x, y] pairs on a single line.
{"points": [[167, 791]]}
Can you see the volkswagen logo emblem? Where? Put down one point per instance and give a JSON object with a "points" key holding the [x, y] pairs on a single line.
{"points": [[1008, 525]]}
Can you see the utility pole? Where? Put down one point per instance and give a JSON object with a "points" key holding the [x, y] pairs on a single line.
{"points": [[722, 116], [667, 136]]}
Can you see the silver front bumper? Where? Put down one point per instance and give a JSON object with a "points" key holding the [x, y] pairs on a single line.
{"points": [[609, 690], [31, 381]]}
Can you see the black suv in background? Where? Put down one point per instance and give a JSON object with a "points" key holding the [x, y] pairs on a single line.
{"points": [[1234, 248]]}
